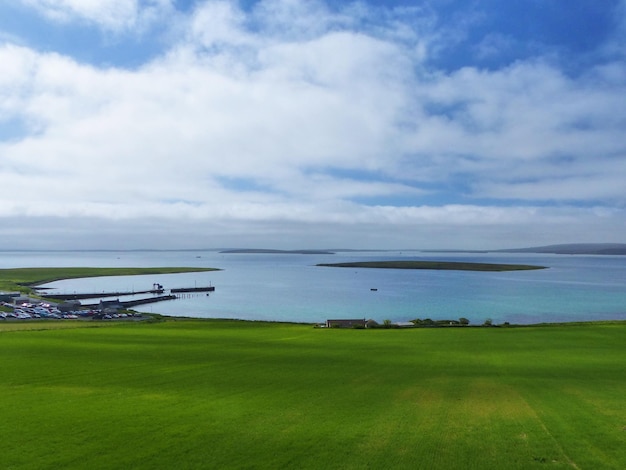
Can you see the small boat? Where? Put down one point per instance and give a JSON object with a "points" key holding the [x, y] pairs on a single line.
{"points": [[373, 289]]}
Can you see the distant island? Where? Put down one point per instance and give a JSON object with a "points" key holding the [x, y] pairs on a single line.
{"points": [[439, 265], [291, 252], [574, 249], [561, 249]]}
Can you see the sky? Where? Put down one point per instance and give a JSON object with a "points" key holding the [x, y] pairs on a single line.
{"points": [[434, 124]]}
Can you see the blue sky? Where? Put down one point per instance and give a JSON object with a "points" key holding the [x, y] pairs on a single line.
{"points": [[296, 124]]}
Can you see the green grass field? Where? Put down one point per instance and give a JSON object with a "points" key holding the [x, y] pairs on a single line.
{"points": [[228, 394]]}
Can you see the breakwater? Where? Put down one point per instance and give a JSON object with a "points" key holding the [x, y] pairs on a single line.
{"points": [[148, 300], [134, 303], [192, 289], [94, 295]]}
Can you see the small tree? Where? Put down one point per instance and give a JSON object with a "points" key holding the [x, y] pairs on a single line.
{"points": [[387, 323], [464, 321], [488, 322]]}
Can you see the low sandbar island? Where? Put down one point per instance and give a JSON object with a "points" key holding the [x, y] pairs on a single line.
{"points": [[439, 265]]}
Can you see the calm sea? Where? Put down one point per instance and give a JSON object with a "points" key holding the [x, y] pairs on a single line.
{"points": [[289, 287]]}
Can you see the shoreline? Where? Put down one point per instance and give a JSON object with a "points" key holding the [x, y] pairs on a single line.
{"points": [[159, 316], [93, 272], [162, 318]]}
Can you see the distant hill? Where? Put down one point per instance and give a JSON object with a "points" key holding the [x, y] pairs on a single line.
{"points": [[575, 249]]}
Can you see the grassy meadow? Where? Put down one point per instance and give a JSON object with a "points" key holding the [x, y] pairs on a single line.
{"points": [[191, 394]]}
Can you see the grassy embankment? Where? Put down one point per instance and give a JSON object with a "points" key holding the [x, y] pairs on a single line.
{"points": [[439, 265], [226, 394], [20, 279]]}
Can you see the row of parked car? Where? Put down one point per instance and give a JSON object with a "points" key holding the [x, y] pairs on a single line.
{"points": [[28, 310]]}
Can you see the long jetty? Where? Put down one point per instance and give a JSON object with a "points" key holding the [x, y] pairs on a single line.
{"points": [[95, 295], [133, 303], [148, 300], [192, 289]]}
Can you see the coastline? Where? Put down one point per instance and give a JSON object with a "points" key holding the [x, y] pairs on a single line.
{"points": [[266, 287], [152, 318]]}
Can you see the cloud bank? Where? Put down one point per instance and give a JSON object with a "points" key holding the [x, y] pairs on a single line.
{"points": [[297, 123]]}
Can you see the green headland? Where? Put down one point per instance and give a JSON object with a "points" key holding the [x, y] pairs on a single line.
{"points": [[22, 279]]}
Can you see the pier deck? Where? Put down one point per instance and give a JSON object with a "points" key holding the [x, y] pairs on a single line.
{"points": [[192, 289]]}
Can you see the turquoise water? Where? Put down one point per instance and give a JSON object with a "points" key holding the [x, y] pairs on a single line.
{"points": [[286, 287]]}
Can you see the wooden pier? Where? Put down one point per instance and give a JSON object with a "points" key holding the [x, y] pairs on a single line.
{"points": [[192, 289]]}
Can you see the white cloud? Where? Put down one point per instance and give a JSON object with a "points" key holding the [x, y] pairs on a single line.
{"points": [[494, 45], [527, 121], [297, 226], [113, 15], [587, 182], [250, 118], [218, 23]]}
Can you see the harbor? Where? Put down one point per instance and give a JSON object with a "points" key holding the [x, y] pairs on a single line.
{"points": [[158, 295]]}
